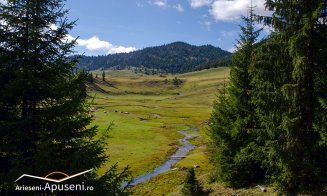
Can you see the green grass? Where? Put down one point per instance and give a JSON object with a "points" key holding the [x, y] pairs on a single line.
{"points": [[170, 183], [146, 112]]}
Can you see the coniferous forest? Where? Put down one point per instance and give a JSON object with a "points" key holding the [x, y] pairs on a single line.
{"points": [[44, 113], [177, 57], [269, 123]]}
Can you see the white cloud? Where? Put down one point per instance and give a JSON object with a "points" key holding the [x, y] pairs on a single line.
{"points": [[95, 44], [121, 49], [200, 3], [165, 4], [69, 38], [227, 10], [179, 7], [159, 3], [53, 27]]}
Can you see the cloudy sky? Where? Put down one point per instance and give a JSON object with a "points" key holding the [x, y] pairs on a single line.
{"points": [[113, 26]]}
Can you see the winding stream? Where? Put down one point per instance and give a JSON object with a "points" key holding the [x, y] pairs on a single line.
{"points": [[166, 166]]}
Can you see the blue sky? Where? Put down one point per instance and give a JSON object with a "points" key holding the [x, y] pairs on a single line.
{"points": [[113, 26]]}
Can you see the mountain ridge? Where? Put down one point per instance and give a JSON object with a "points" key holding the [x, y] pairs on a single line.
{"points": [[176, 57]]}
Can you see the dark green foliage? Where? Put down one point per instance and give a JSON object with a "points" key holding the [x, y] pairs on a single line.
{"points": [[90, 78], [237, 151], [288, 100], [103, 76], [111, 182], [44, 116], [273, 114], [271, 69], [177, 57], [225, 62], [177, 81], [191, 185]]}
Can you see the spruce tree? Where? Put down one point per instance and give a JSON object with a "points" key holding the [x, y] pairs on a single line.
{"points": [[44, 114], [299, 149], [237, 155], [90, 78], [270, 70], [103, 76]]}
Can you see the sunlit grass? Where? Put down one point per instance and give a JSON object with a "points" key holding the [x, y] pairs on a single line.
{"points": [[146, 112]]}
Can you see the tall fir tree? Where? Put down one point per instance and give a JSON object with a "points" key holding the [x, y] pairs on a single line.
{"points": [[44, 115], [237, 155], [299, 148], [270, 69]]}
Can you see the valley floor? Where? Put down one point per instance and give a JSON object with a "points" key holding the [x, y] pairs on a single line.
{"points": [[145, 114]]}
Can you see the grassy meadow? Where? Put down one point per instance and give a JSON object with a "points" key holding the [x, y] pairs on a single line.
{"points": [[145, 113]]}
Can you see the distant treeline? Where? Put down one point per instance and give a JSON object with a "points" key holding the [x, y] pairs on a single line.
{"points": [[178, 57], [224, 62]]}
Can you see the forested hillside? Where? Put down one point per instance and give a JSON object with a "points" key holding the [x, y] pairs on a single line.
{"points": [[224, 62], [177, 57]]}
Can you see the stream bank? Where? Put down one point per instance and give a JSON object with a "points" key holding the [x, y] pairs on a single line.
{"points": [[178, 155]]}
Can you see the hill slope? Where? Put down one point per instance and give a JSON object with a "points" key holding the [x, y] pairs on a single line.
{"points": [[177, 57]]}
